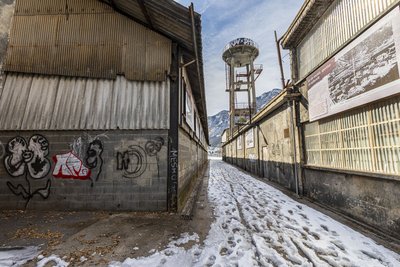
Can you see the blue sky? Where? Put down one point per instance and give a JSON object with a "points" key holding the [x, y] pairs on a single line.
{"points": [[226, 20]]}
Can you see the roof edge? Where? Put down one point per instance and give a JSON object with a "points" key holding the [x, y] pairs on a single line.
{"points": [[304, 21]]}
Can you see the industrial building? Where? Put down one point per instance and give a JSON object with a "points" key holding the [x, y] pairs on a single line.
{"points": [[333, 135], [102, 106]]}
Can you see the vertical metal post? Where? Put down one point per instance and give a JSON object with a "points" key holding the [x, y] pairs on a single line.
{"points": [[232, 96], [173, 132], [294, 146], [248, 90], [280, 60], [253, 90]]}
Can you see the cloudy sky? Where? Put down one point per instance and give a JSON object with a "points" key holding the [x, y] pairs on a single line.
{"points": [[226, 20]]}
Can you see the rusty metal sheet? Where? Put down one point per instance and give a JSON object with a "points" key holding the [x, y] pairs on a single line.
{"points": [[98, 45], [38, 7], [42, 102]]}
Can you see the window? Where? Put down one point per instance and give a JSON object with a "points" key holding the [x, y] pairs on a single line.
{"points": [[365, 140], [189, 111]]}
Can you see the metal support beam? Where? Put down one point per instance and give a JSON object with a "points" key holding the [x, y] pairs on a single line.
{"points": [[173, 133]]}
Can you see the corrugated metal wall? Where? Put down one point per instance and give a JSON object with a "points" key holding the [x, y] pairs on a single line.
{"points": [[84, 38], [342, 21], [38, 102]]}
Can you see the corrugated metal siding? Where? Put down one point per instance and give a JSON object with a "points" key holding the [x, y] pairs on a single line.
{"points": [[343, 20], [86, 39], [38, 102], [35, 7]]}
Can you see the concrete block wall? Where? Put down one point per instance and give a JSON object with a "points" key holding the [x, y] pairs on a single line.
{"points": [[84, 170], [191, 160]]}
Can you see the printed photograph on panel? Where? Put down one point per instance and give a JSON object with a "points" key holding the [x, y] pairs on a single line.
{"points": [[369, 65]]}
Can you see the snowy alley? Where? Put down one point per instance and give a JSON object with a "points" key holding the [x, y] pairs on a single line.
{"points": [[257, 225], [254, 225]]}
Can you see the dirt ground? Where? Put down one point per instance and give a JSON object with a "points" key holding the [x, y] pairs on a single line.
{"points": [[101, 237]]}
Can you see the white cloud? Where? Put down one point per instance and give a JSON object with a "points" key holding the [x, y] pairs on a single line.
{"points": [[225, 20]]}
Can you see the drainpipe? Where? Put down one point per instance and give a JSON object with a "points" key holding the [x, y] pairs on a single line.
{"points": [[291, 103], [258, 150]]}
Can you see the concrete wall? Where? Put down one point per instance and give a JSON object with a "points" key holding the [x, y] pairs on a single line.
{"points": [[77, 170], [276, 148], [372, 200], [272, 154], [251, 161], [192, 158]]}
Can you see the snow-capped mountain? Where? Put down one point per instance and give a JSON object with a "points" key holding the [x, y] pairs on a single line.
{"points": [[220, 121]]}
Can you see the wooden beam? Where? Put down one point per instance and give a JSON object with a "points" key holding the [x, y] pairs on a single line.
{"points": [[196, 52], [145, 13]]}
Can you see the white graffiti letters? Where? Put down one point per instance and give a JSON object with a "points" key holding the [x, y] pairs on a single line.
{"points": [[70, 166]]}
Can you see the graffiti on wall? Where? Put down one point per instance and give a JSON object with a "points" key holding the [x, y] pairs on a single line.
{"points": [[71, 166], [28, 159], [134, 160], [173, 161], [94, 160], [152, 148]]}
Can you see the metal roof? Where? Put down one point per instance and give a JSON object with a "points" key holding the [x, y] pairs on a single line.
{"points": [[181, 25], [305, 19]]}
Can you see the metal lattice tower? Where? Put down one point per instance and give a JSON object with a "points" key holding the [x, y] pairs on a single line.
{"points": [[241, 74]]}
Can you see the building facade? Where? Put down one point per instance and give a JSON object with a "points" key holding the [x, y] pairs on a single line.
{"points": [[341, 115], [93, 104]]}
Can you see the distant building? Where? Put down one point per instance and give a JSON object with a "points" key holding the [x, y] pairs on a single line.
{"points": [[102, 106]]}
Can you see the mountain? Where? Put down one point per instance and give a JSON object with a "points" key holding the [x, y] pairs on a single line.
{"points": [[216, 125], [266, 97], [220, 121]]}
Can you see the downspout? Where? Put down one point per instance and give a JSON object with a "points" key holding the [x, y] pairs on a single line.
{"points": [[258, 150], [291, 102]]}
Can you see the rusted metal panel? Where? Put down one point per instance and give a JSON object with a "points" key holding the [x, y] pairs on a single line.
{"points": [[41, 102], [37, 7], [85, 44]]}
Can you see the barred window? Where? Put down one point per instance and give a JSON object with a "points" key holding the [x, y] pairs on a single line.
{"points": [[367, 139]]}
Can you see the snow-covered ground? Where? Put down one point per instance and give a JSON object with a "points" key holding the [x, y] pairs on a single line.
{"points": [[257, 225], [17, 256]]}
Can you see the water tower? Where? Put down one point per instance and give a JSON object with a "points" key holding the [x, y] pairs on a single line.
{"points": [[241, 74]]}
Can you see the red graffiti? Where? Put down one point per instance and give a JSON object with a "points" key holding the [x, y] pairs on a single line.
{"points": [[70, 166]]}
